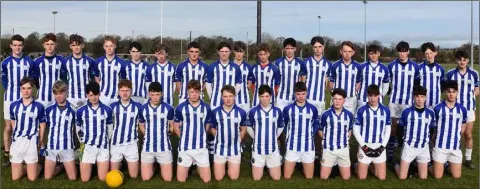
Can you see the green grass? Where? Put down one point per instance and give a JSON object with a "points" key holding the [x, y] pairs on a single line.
{"points": [[470, 178]]}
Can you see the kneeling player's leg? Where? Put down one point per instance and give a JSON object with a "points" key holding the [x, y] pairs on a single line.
{"points": [[381, 170], [291, 159], [219, 166], [103, 163], [422, 170], [165, 160], [438, 169], [422, 162], [147, 165], [183, 165], [402, 170], [17, 171], [201, 156], [456, 170], [49, 170], [455, 160], [234, 167], [85, 171], [328, 160], [70, 169], [274, 163], [308, 162], [33, 171], [344, 163], [258, 163], [131, 155], [363, 164], [116, 156]]}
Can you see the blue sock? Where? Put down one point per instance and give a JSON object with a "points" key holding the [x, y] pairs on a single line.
{"points": [[390, 148]]}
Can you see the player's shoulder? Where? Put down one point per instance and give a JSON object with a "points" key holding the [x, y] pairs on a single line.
{"points": [[106, 107], [51, 107], [277, 109], [383, 107], [299, 60], [166, 105], [452, 71], [100, 59], [348, 112], [279, 60], [38, 105], [473, 72], [458, 105], [240, 110], [429, 111], [182, 105]]}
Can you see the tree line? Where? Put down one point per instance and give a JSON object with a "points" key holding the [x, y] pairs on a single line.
{"points": [[33, 46]]}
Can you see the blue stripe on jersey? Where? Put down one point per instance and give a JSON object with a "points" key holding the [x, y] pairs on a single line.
{"points": [[417, 125], [110, 72], [290, 73], [186, 71], [302, 123], [93, 123], [265, 125], [269, 75], [156, 126], [243, 96], [136, 74], [13, 71], [377, 74], [335, 128], [431, 76], [227, 124], [316, 76], [125, 122], [79, 73], [372, 123], [220, 75], [60, 127], [345, 76], [466, 86], [165, 75], [403, 78], [27, 119], [48, 71], [449, 125], [193, 122]]}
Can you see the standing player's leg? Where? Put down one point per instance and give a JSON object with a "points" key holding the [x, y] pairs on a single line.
{"points": [[396, 111], [7, 132], [468, 134]]}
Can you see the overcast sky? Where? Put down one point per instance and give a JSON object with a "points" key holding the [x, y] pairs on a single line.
{"points": [[444, 23]]}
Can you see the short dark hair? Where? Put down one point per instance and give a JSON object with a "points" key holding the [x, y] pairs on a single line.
{"points": [[263, 47], [461, 54], [195, 85], [299, 86], [224, 44], [74, 38], [136, 45], [289, 41], [162, 47], [264, 89], [419, 90], [239, 46], [373, 48], [317, 39], [402, 46], [93, 87], [449, 84], [348, 44], [155, 87], [26, 80], [339, 91], [50, 36], [373, 90], [17, 37], [428, 45], [194, 44], [124, 83], [229, 89]]}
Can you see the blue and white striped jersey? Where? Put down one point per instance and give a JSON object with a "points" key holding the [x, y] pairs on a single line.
{"points": [[302, 124], [193, 125], [373, 73], [265, 124], [335, 128], [316, 76], [48, 70], [136, 74], [13, 71], [345, 76], [156, 126], [220, 75], [373, 122], [125, 122], [186, 71], [165, 75], [27, 119], [94, 124], [466, 86], [290, 73], [243, 96], [110, 72], [431, 77], [268, 75], [449, 123], [60, 122], [417, 126], [227, 124], [79, 72], [403, 79]]}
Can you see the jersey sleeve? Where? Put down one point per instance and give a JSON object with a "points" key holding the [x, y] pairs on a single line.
{"points": [[79, 120], [205, 75], [213, 120], [141, 119], [178, 115], [93, 68], [5, 74], [251, 118], [433, 120], [36, 72], [386, 77], [323, 122], [350, 123], [359, 118], [277, 76], [243, 119], [464, 115], [286, 118], [476, 81], [12, 111], [315, 121], [148, 74], [178, 73], [209, 73], [331, 73], [403, 118], [42, 118], [109, 116], [238, 75], [359, 75], [251, 76], [280, 120], [303, 68], [389, 120], [123, 69], [63, 70]]}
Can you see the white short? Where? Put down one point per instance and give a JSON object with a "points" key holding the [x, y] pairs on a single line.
{"points": [[45, 103], [319, 105], [301, 157], [130, 152], [162, 158], [397, 109], [199, 157], [77, 103], [362, 158], [106, 100], [282, 103], [443, 155], [60, 155], [24, 149], [139, 99], [223, 159], [410, 153], [246, 107], [340, 157], [272, 160], [6, 110], [470, 116], [93, 154], [351, 104]]}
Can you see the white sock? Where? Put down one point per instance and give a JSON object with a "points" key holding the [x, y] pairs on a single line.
{"points": [[468, 154]]}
